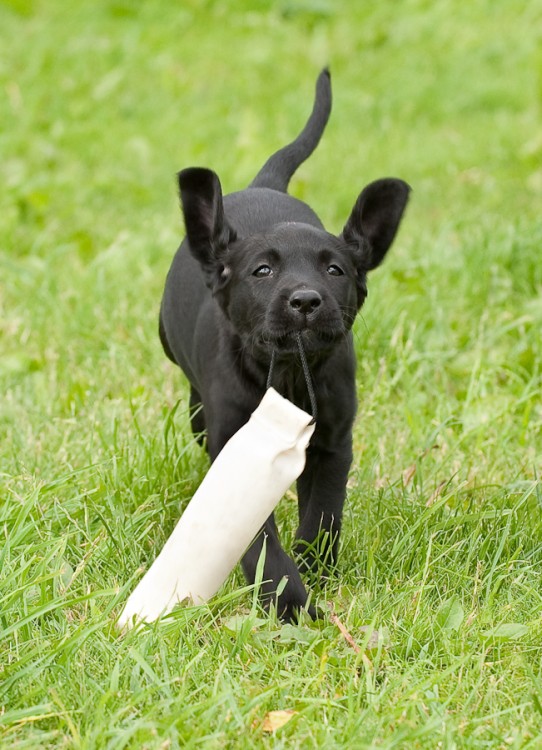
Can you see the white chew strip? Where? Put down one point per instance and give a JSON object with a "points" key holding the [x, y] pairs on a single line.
{"points": [[240, 490]]}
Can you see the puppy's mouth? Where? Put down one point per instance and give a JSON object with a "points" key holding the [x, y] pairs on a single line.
{"points": [[314, 340]]}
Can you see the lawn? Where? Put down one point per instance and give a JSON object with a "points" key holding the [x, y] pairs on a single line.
{"points": [[101, 104]]}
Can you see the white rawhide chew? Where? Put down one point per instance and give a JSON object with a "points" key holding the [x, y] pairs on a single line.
{"points": [[240, 490]]}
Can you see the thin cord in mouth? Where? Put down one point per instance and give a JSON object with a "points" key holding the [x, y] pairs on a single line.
{"points": [[306, 373], [271, 369]]}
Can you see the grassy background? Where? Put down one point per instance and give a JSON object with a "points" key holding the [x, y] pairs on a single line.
{"points": [[101, 103]]}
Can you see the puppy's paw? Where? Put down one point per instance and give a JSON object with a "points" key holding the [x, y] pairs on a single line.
{"points": [[286, 593], [292, 602]]}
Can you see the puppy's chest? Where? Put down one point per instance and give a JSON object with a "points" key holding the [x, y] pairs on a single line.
{"points": [[291, 384]]}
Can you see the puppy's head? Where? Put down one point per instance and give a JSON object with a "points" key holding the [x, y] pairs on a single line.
{"points": [[294, 277]]}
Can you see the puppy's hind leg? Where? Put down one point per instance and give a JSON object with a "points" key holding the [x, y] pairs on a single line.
{"points": [[197, 417]]}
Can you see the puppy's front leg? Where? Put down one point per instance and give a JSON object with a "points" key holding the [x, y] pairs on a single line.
{"points": [[277, 566], [322, 490]]}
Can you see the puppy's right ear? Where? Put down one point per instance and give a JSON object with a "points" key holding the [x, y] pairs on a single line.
{"points": [[207, 230]]}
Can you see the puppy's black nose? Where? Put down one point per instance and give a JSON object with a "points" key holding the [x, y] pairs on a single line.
{"points": [[305, 300]]}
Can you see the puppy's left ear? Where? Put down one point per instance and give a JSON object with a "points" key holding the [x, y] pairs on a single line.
{"points": [[207, 230], [375, 218]]}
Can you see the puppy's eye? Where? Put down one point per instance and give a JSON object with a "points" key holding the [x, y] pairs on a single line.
{"points": [[263, 270], [334, 270]]}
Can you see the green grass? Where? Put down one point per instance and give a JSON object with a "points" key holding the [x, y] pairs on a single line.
{"points": [[442, 550]]}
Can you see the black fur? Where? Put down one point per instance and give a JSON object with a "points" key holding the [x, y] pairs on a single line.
{"points": [[256, 267]]}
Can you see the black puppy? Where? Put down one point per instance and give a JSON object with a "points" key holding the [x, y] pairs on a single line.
{"points": [[256, 270]]}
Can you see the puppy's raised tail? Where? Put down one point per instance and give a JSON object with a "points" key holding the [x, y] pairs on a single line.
{"points": [[279, 168]]}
